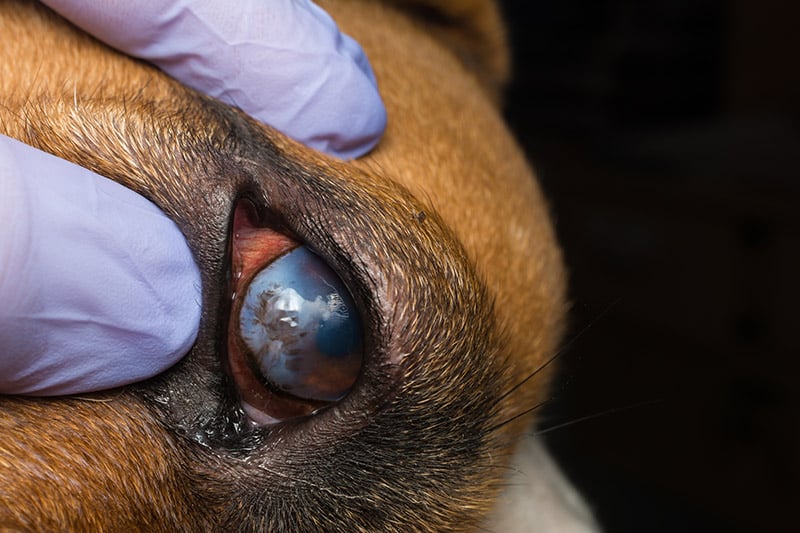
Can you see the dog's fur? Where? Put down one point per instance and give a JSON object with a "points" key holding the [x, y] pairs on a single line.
{"points": [[441, 233]]}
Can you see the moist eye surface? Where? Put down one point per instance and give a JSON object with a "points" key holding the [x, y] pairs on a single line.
{"points": [[301, 328]]}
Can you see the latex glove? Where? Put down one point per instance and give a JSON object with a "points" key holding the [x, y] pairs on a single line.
{"points": [[87, 304], [283, 62], [98, 286]]}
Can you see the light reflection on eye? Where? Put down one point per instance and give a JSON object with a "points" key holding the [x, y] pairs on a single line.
{"points": [[301, 328]]}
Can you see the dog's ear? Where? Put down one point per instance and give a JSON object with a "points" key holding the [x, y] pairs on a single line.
{"points": [[473, 30]]}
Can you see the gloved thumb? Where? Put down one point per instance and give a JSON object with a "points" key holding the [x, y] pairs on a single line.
{"points": [[283, 62], [97, 286]]}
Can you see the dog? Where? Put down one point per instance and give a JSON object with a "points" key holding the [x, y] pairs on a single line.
{"points": [[440, 234]]}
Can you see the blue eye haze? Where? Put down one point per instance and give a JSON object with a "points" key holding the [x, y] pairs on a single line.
{"points": [[297, 319]]}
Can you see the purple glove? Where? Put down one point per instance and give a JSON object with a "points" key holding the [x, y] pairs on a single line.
{"points": [[283, 62], [90, 300], [85, 303]]}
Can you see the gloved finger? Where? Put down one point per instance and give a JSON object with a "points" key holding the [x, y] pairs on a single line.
{"points": [[283, 62], [98, 286]]}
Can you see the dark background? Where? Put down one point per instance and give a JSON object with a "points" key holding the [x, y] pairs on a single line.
{"points": [[666, 135]]}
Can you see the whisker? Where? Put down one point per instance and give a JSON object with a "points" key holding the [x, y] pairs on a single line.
{"points": [[611, 411], [518, 415], [560, 352], [532, 374]]}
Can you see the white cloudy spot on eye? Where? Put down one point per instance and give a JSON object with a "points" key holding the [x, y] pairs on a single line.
{"points": [[289, 321], [288, 300]]}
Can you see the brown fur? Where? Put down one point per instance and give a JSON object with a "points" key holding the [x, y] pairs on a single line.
{"points": [[441, 232]]}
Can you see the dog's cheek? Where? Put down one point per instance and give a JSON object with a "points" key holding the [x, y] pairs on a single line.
{"points": [[101, 464]]}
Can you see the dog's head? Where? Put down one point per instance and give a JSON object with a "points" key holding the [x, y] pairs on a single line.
{"points": [[440, 235]]}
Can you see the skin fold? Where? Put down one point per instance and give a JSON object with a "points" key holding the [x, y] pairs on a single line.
{"points": [[441, 235]]}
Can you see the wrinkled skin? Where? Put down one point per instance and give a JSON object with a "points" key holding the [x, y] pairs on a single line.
{"points": [[441, 235]]}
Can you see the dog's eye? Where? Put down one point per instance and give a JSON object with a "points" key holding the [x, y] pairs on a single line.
{"points": [[300, 327], [295, 338]]}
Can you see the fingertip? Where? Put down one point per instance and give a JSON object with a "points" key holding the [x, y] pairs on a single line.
{"points": [[164, 288], [284, 62], [341, 112], [107, 293], [179, 325], [347, 114]]}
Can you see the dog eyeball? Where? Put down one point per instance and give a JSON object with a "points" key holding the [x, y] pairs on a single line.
{"points": [[301, 328]]}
